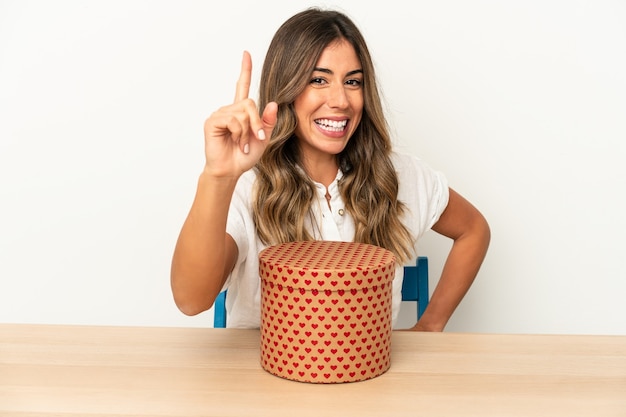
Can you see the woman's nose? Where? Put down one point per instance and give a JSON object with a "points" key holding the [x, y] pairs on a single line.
{"points": [[337, 97]]}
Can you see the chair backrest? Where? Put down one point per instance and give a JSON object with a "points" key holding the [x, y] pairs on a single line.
{"points": [[219, 310], [415, 284], [414, 288]]}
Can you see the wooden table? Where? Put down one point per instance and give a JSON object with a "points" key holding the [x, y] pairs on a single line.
{"points": [[48, 370]]}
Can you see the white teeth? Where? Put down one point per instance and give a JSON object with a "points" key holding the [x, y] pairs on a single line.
{"points": [[332, 125]]}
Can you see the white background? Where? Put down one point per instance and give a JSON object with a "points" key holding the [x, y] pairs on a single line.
{"points": [[522, 104]]}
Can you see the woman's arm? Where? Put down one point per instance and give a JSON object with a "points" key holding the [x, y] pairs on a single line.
{"points": [[234, 140], [463, 223]]}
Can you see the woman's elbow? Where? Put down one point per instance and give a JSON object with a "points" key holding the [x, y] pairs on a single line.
{"points": [[189, 301], [484, 231], [189, 309]]}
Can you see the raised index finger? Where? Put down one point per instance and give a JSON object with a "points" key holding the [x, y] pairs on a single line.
{"points": [[243, 83]]}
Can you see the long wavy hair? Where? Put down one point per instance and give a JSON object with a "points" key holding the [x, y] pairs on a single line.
{"points": [[369, 186]]}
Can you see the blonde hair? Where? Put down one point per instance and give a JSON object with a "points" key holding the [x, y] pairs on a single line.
{"points": [[369, 187]]}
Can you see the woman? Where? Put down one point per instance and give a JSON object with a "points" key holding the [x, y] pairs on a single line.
{"points": [[316, 163]]}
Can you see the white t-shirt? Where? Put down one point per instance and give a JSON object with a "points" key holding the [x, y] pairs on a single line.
{"points": [[423, 190]]}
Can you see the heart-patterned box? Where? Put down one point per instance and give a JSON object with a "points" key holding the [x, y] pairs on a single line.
{"points": [[326, 311]]}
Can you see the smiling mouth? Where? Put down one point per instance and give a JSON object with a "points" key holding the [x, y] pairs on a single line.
{"points": [[332, 125]]}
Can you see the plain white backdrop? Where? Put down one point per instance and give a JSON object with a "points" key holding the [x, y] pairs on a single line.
{"points": [[521, 104]]}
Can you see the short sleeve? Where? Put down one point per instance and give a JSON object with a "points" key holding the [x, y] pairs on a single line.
{"points": [[423, 190]]}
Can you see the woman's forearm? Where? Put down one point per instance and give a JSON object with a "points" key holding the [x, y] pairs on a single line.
{"points": [[458, 274], [204, 253]]}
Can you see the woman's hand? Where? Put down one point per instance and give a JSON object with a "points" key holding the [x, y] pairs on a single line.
{"points": [[235, 135]]}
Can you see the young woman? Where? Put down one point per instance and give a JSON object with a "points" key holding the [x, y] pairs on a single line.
{"points": [[316, 163]]}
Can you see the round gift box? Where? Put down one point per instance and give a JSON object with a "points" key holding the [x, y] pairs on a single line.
{"points": [[326, 311]]}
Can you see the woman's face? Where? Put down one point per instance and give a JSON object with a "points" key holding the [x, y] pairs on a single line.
{"points": [[330, 107]]}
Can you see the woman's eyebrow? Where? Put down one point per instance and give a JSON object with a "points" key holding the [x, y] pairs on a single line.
{"points": [[328, 71]]}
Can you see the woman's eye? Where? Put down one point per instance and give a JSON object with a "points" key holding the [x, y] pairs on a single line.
{"points": [[318, 81], [354, 83]]}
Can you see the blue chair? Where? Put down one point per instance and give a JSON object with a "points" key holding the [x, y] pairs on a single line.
{"points": [[219, 308], [414, 288]]}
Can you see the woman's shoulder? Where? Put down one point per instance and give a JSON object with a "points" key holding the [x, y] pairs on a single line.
{"points": [[245, 186], [406, 162], [247, 179], [400, 158], [411, 168]]}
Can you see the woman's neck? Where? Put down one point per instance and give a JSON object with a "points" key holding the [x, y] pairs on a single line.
{"points": [[323, 171]]}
